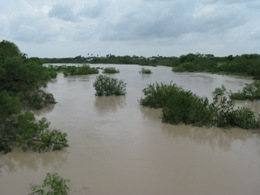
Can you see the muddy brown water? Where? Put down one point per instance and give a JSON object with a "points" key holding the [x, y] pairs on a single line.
{"points": [[118, 147]]}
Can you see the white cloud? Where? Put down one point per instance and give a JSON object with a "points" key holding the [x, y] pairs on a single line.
{"points": [[140, 27], [63, 12]]}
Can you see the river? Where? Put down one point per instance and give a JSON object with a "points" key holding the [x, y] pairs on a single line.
{"points": [[118, 147]]}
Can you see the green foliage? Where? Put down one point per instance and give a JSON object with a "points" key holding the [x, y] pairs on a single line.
{"points": [[107, 86], [53, 184], [156, 95], [249, 92], [228, 115], [22, 81], [180, 106], [30, 134], [219, 91], [80, 70], [37, 99], [185, 107], [145, 71], [8, 49], [9, 106], [20, 75], [110, 70]]}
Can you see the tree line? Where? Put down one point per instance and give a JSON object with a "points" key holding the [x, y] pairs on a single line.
{"points": [[246, 64]]}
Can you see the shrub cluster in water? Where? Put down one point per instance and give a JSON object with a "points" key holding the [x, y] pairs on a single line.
{"points": [[110, 70], [71, 70], [107, 86], [181, 106], [145, 71], [53, 184], [80, 70], [251, 92]]}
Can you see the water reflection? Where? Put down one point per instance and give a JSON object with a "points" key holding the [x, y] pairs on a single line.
{"points": [[76, 78], [16, 160], [45, 110], [214, 137], [109, 103]]}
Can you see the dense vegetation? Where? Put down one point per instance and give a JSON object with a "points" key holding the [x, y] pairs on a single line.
{"points": [[246, 64], [181, 106], [22, 89], [107, 86]]}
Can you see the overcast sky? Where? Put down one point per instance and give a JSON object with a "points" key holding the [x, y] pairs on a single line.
{"points": [[67, 28]]}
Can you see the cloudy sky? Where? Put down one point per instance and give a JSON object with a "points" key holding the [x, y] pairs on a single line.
{"points": [[67, 28]]}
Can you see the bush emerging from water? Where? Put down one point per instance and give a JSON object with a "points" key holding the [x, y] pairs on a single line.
{"points": [[30, 134], [107, 86], [110, 70], [181, 106], [250, 91], [145, 71], [53, 184], [80, 70], [178, 105]]}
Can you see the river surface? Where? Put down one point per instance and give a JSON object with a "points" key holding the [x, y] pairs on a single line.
{"points": [[118, 147]]}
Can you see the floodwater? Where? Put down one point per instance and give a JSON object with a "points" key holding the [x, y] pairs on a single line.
{"points": [[118, 147]]}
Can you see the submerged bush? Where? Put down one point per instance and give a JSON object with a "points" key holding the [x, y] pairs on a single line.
{"points": [[107, 86], [157, 94], [249, 92], [53, 184], [180, 106], [80, 70], [30, 134], [110, 70], [145, 71]]}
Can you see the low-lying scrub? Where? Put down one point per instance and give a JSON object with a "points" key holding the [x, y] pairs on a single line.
{"points": [[107, 86], [30, 134], [250, 91], [53, 184], [79, 70], [110, 70], [145, 71], [181, 106]]}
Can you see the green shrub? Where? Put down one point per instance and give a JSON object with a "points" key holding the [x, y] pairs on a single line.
{"points": [[157, 94], [180, 106], [187, 107], [53, 184], [80, 70], [219, 91], [110, 70], [107, 86], [249, 92], [30, 134], [229, 115], [145, 71]]}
